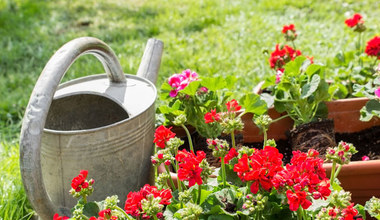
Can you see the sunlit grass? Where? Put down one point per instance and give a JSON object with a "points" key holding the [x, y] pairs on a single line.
{"points": [[13, 202]]}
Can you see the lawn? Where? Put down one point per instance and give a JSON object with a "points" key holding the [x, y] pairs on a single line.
{"points": [[212, 37]]}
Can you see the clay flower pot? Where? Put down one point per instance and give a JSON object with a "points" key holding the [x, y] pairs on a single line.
{"points": [[361, 178]]}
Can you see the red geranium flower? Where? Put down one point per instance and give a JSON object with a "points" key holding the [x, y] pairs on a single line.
{"points": [[231, 154], [295, 199], [233, 106], [212, 116], [162, 135], [350, 212], [373, 47], [78, 183], [287, 28], [352, 22], [57, 217], [189, 166], [260, 168], [133, 202], [279, 57]]}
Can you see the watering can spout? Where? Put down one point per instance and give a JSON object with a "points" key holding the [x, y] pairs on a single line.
{"points": [[151, 60]]}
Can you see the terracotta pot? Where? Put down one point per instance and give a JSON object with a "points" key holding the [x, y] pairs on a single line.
{"points": [[344, 112], [361, 178]]}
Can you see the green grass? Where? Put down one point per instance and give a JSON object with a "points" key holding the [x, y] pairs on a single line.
{"points": [[13, 201], [212, 37]]}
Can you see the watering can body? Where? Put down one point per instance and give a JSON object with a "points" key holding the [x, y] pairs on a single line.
{"points": [[101, 123]]}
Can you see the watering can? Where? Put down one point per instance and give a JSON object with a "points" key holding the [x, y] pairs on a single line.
{"points": [[101, 123]]}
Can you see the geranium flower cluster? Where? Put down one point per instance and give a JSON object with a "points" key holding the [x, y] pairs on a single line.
{"points": [[189, 166], [304, 178], [259, 168], [348, 213], [341, 154], [133, 204], [180, 81], [356, 22], [80, 186], [289, 32], [373, 47], [228, 120], [162, 135], [282, 55]]}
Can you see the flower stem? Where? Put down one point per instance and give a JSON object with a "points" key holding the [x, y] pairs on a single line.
{"points": [[278, 119], [332, 176], [178, 181], [199, 194], [155, 167], [337, 171], [84, 199], [294, 45], [265, 137], [299, 213], [171, 180], [233, 139], [122, 211], [188, 137], [223, 172]]}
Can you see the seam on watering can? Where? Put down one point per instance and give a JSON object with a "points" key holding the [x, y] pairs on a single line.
{"points": [[116, 144]]}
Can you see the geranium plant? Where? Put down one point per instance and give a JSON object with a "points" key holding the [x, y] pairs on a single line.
{"points": [[370, 90], [190, 96]]}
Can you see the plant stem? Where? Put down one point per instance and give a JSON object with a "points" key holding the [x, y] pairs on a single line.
{"points": [[155, 167], [124, 213], [171, 180], [233, 139], [199, 194], [265, 137], [178, 181], [294, 45], [223, 172], [247, 191], [188, 137], [299, 213], [278, 119], [332, 176], [84, 199], [337, 171]]}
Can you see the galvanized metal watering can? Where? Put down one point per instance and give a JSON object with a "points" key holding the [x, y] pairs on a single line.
{"points": [[100, 123]]}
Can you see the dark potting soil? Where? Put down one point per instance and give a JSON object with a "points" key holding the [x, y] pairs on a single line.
{"points": [[366, 142]]}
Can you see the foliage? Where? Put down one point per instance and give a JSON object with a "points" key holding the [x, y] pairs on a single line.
{"points": [[192, 96], [301, 91], [371, 90]]}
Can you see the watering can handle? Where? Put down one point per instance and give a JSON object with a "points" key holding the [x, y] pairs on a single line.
{"points": [[38, 107], [151, 60]]}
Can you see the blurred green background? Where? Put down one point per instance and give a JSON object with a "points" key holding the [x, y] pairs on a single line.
{"points": [[211, 37]]}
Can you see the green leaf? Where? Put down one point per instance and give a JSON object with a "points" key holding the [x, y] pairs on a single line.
{"points": [[214, 83], [231, 176], [268, 99], [252, 103], [91, 209], [309, 88], [165, 90], [293, 67], [372, 108], [360, 209], [313, 69], [191, 89], [338, 91], [230, 82]]}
